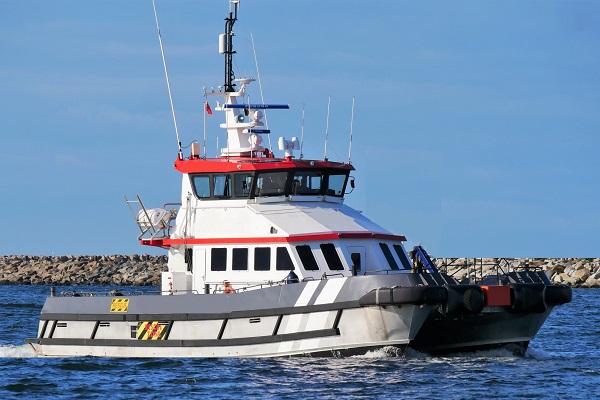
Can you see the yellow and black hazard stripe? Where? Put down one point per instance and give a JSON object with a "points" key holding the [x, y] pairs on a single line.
{"points": [[152, 330], [119, 305]]}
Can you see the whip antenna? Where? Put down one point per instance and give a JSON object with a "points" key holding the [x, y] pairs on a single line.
{"points": [[262, 99], [302, 135], [351, 124], [168, 84], [327, 127]]}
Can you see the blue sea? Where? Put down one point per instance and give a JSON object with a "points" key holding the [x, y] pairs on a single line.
{"points": [[563, 362]]}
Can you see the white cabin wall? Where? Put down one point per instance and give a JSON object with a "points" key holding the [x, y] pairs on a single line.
{"points": [[230, 218], [176, 261]]}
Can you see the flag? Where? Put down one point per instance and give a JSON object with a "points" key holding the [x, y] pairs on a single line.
{"points": [[208, 110]]}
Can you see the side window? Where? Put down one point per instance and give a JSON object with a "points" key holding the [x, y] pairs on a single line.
{"points": [[218, 259], [242, 183], [307, 257], [331, 256], [222, 186], [201, 184], [262, 258], [283, 261], [239, 259], [402, 256], [335, 185], [388, 256]]}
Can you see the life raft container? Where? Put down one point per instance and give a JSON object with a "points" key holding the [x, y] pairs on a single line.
{"points": [[417, 295]]}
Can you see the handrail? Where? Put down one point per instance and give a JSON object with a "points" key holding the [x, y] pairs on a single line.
{"points": [[122, 293], [476, 267]]}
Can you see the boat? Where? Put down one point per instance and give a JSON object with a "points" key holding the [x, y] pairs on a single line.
{"points": [[265, 259], [306, 269]]}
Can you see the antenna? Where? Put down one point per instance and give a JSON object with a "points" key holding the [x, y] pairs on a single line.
{"points": [[204, 111], [327, 127], [302, 135], [226, 46], [262, 99], [351, 125], [168, 84]]}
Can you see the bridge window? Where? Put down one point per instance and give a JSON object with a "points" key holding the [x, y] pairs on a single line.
{"points": [[242, 184], [335, 184], [218, 259], [201, 185], [271, 183], [283, 261], [239, 259], [388, 256], [307, 182], [331, 256], [222, 186], [307, 257], [262, 259]]}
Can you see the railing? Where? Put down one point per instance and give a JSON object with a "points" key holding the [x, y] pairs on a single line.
{"points": [[480, 270], [119, 293]]}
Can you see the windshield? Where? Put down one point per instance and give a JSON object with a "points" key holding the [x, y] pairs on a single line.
{"points": [[271, 183], [313, 182], [307, 182]]}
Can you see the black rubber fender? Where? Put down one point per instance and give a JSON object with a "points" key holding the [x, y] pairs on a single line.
{"points": [[527, 297], [463, 299], [558, 294], [417, 295]]}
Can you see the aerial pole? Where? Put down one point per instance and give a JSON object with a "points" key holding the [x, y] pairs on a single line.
{"points": [[351, 125], [179, 153], [226, 46]]}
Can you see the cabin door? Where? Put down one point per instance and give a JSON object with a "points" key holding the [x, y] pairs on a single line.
{"points": [[199, 270]]}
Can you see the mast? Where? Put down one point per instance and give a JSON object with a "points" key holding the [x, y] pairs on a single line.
{"points": [[226, 46]]}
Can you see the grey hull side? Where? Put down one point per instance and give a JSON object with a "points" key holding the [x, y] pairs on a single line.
{"points": [[316, 317]]}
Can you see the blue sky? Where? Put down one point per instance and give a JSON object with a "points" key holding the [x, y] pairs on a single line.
{"points": [[476, 131]]}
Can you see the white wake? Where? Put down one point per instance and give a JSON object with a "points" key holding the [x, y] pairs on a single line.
{"points": [[22, 351]]}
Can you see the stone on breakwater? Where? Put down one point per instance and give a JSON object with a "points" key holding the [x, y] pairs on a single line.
{"points": [[122, 270]]}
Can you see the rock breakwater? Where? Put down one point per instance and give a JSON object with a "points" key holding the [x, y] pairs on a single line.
{"points": [[119, 270], [145, 270]]}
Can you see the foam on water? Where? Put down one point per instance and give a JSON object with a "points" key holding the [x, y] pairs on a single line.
{"points": [[384, 352], [415, 354], [537, 354], [501, 352], [22, 351]]}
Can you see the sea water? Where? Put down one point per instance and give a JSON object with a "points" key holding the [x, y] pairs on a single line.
{"points": [[563, 362]]}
